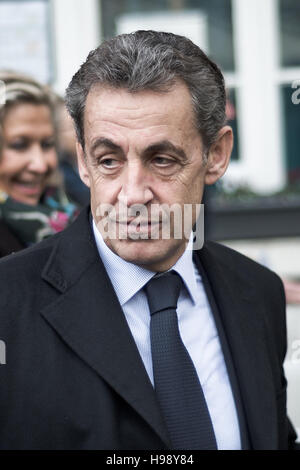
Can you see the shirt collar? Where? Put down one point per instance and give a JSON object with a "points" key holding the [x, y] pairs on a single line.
{"points": [[128, 278]]}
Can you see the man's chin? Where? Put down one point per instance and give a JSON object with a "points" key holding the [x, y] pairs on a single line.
{"points": [[155, 255]]}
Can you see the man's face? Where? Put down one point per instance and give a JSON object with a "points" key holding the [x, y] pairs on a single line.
{"points": [[142, 149]]}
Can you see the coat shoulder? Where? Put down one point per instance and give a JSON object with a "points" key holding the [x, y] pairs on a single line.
{"points": [[25, 264], [243, 265], [248, 278], [9, 242], [32, 260]]}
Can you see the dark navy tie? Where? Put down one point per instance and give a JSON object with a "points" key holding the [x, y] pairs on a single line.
{"points": [[176, 382]]}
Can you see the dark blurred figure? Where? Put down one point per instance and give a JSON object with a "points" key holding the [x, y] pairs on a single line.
{"points": [[76, 190], [33, 205]]}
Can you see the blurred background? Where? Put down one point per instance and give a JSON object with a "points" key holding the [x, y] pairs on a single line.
{"points": [[256, 208]]}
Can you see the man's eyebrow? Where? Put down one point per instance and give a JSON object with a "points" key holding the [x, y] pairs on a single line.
{"points": [[166, 146], [104, 142], [162, 146]]}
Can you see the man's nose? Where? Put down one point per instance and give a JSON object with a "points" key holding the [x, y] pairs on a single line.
{"points": [[38, 162], [135, 185]]}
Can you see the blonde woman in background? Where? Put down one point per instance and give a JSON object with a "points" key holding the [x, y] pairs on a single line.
{"points": [[32, 207]]}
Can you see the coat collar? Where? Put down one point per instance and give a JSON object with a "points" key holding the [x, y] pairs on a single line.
{"points": [[88, 317], [128, 278]]}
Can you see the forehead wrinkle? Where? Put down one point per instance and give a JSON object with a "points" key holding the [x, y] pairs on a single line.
{"points": [[120, 117], [111, 125], [140, 116]]}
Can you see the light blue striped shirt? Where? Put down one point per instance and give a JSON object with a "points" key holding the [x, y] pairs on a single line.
{"points": [[197, 329]]}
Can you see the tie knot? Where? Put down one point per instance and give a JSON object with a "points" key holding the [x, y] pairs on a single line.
{"points": [[163, 292]]}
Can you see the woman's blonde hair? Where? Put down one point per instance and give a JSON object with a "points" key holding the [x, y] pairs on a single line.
{"points": [[18, 88]]}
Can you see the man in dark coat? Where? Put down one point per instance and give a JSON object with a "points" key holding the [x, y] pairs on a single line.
{"points": [[90, 362]]}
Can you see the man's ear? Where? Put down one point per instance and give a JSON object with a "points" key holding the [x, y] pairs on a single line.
{"points": [[82, 165], [219, 155]]}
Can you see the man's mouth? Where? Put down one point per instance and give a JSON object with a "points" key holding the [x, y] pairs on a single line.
{"points": [[131, 227], [135, 223]]}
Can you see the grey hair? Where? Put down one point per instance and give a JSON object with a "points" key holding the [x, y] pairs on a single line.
{"points": [[150, 60]]}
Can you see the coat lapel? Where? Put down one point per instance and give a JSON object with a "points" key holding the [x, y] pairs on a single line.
{"points": [[88, 317], [242, 317]]}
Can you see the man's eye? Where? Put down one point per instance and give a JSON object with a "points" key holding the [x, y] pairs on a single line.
{"points": [[165, 163], [162, 161], [109, 163]]}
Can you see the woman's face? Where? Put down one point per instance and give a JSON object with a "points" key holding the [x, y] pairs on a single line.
{"points": [[28, 154]]}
